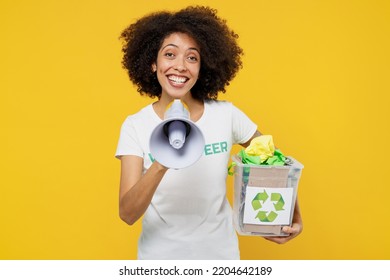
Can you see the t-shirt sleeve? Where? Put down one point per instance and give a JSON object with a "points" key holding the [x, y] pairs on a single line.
{"points": [[243, 126], [128, 143]]}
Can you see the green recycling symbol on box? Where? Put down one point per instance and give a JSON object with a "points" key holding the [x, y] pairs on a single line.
{"points": [[268, 206], [260, 199]]}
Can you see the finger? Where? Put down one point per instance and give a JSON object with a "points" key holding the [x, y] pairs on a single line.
{"points": [[294, 229], [289, 230]]}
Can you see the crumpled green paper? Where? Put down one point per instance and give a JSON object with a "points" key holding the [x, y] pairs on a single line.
{"points": [[261, 151]]}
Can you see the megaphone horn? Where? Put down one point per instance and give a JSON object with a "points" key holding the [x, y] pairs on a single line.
{"points": [[177, 131], [177, 142]]}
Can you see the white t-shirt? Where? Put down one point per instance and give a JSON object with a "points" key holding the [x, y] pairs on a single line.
{"points": [[189, 216]]}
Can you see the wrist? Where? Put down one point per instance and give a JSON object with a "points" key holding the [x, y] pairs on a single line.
{"points": [[159, 167]]}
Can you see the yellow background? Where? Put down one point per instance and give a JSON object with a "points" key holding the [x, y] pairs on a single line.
{"points": [[315, 76]]}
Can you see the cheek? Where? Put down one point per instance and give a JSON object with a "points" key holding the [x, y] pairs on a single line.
{"points": [[163, 65], [160, 72], [160, 77], [196, 72]]}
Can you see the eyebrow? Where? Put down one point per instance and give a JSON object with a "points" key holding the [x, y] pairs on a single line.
{"points": [[173, 45]]}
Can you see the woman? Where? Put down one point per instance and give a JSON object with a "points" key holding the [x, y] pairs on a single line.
{"points": [[189, 55]]}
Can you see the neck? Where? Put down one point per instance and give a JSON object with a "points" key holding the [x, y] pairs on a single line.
{"points": [[195, 107]]}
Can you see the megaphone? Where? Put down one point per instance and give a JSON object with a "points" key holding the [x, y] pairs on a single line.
{"points": [[177, 142]]}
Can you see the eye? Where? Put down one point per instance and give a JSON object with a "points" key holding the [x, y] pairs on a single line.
{"points": [[192, 58], [169, 55]]}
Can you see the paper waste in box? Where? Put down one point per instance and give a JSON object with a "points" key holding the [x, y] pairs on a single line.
{"points": [[264, 197]]}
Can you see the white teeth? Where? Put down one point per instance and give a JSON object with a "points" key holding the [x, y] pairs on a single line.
{"points": [[177, 79]]}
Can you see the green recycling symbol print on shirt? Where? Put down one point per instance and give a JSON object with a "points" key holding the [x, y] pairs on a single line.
{"points": [[269, 206]]}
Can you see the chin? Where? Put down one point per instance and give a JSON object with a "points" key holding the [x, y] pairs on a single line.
{"points": [[177, 95]]}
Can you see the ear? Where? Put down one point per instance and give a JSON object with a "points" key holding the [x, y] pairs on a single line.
{"points": [[154, 67]]}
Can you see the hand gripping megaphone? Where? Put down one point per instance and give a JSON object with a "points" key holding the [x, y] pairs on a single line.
{"points": [[177, 142]]}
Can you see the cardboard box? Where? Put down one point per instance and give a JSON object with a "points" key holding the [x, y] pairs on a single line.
{"points": [[264, 197]]}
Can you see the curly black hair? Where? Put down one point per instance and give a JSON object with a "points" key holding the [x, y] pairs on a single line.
{"points": [[219, 50]]}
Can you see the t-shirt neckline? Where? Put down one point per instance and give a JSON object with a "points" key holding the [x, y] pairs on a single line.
{"points": [[158, 119]]}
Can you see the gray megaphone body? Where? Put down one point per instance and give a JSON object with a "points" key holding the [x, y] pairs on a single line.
{"points": [[177, 142]]}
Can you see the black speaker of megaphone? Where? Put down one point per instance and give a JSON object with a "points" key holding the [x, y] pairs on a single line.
{"points": [[177, 142]]}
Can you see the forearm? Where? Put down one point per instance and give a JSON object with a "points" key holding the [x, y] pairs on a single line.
{"points": [[136, 200]]}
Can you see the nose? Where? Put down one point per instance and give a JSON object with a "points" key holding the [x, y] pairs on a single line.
{"points": [[180, 66]]}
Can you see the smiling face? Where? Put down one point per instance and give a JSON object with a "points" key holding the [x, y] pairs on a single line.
{"points": [[177, 66]]}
